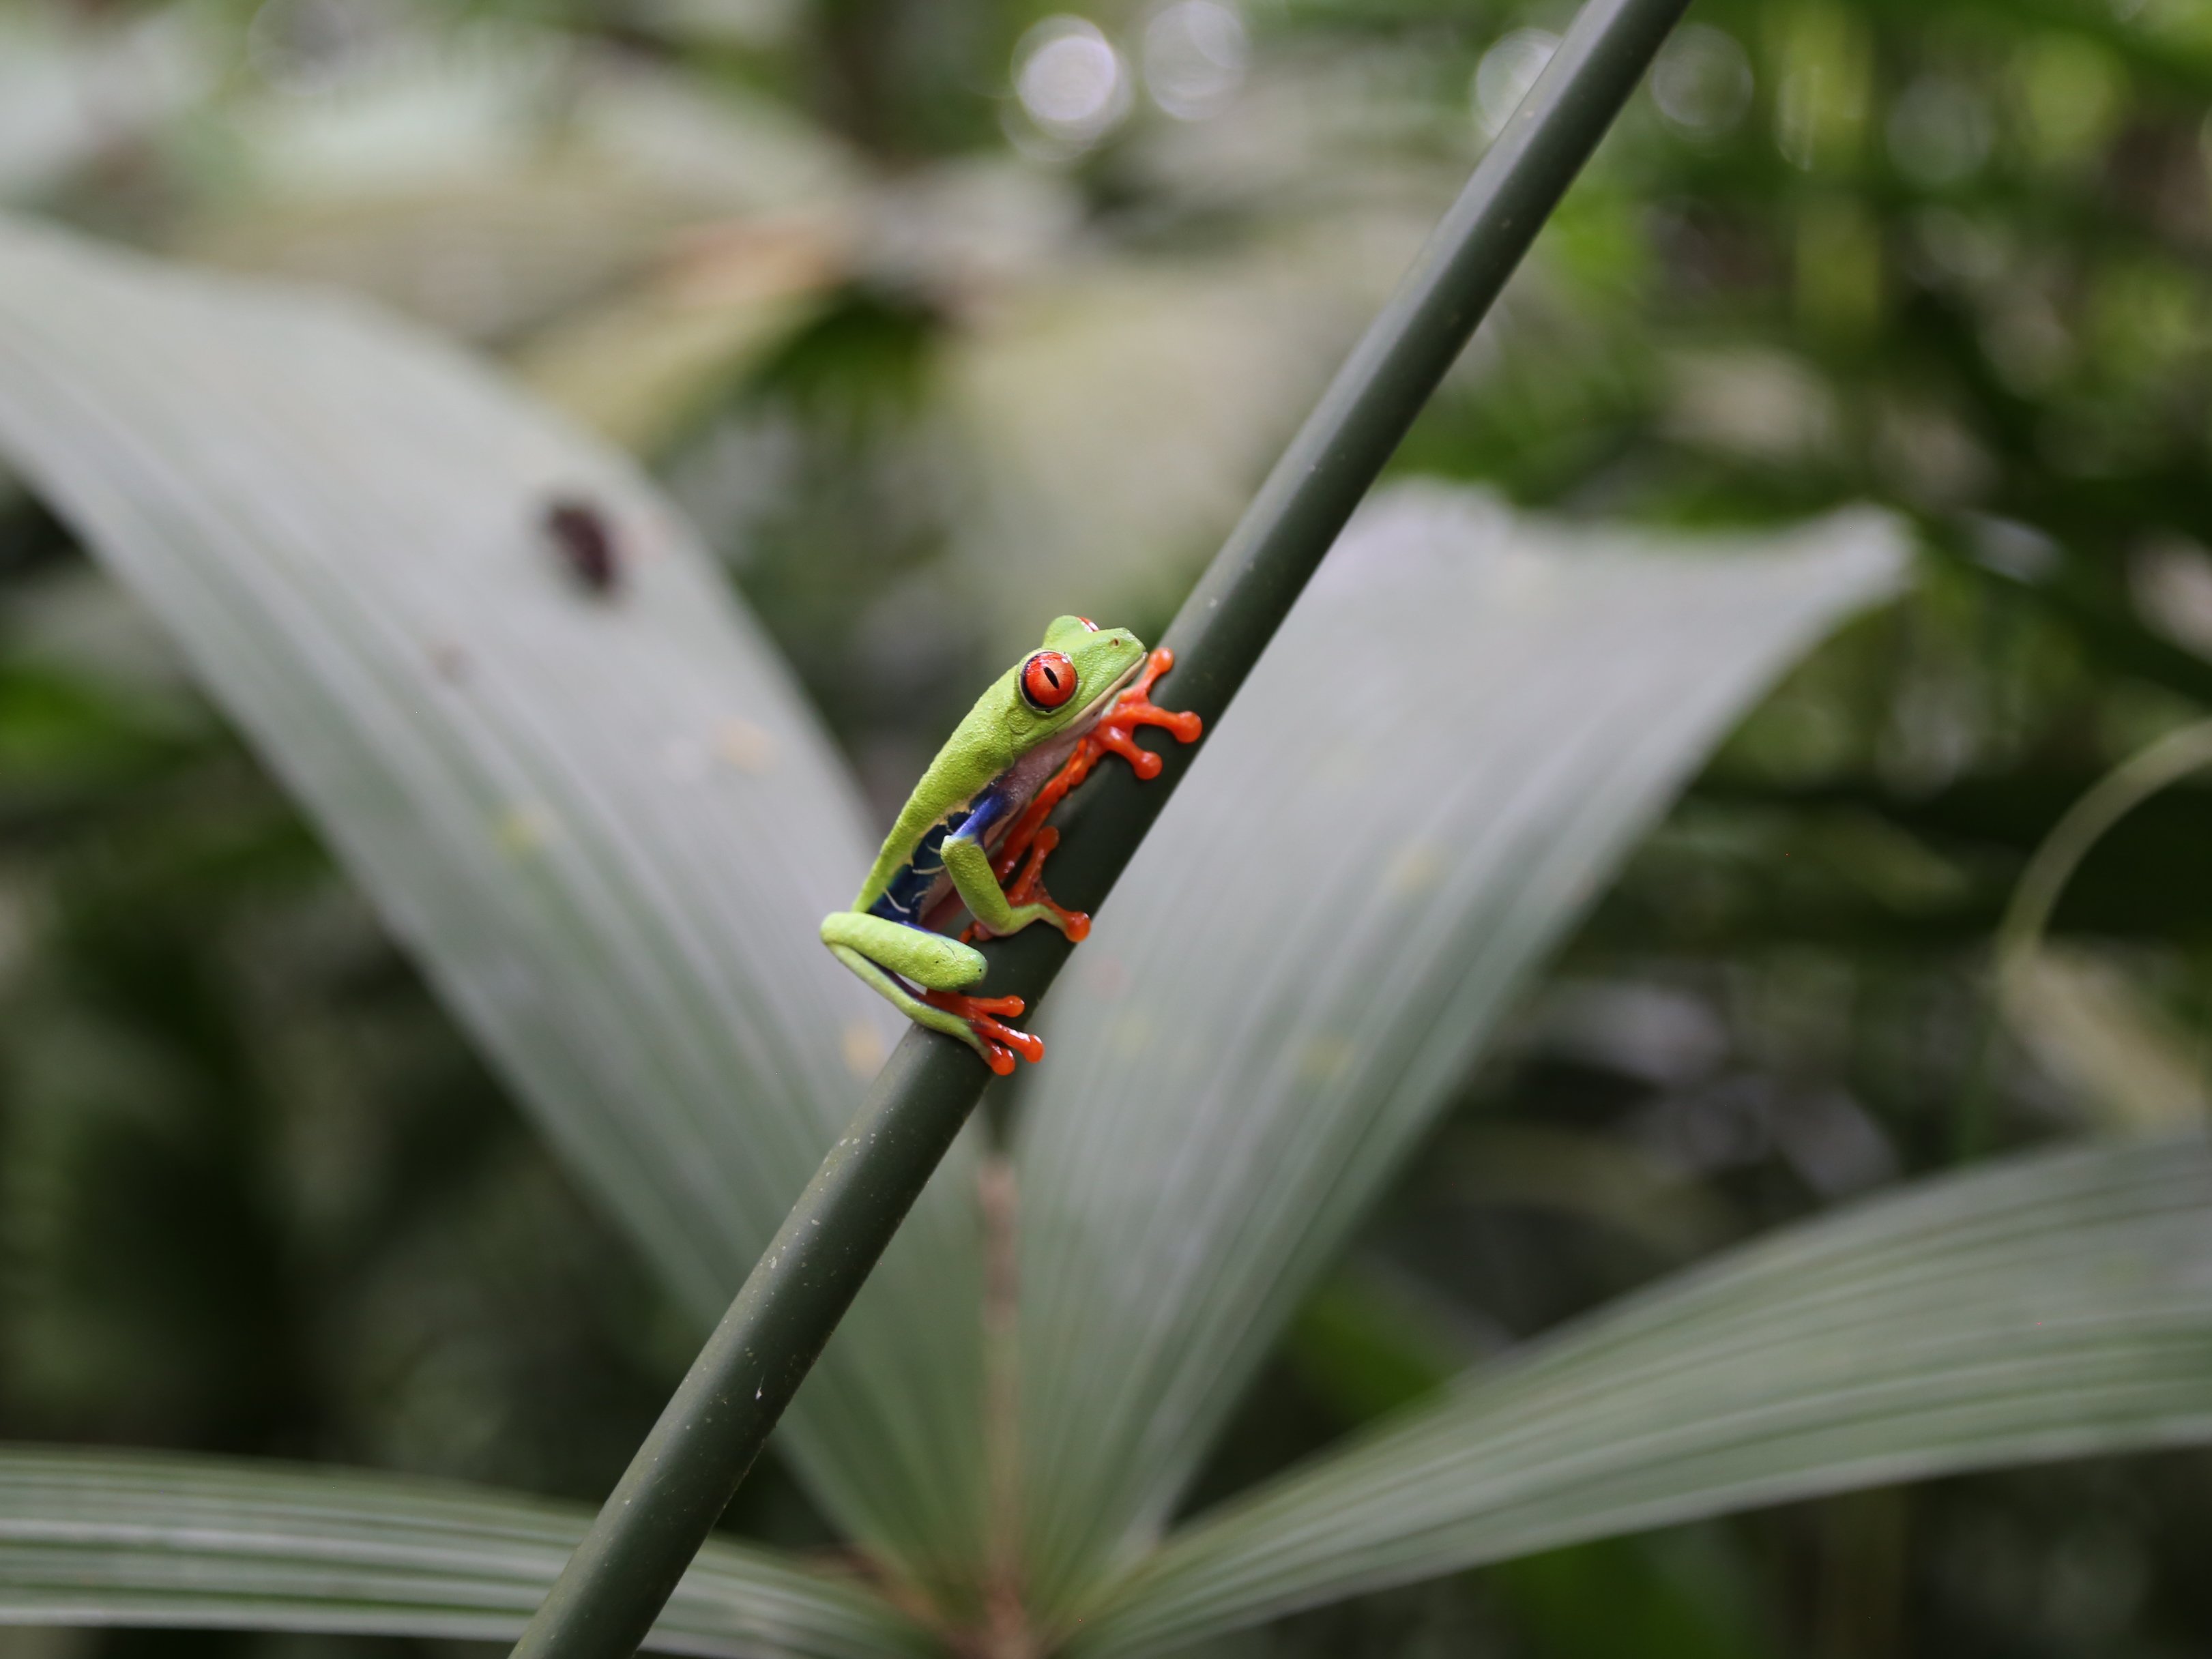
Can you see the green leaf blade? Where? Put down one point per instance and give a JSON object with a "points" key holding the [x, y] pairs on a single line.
{"points": [[607, 826], [1462, 727], [101, 1538], [2051, 1307]]}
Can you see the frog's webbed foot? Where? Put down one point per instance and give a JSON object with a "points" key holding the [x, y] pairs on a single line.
{"points": [[1028, 888], [1134, 707], [998, 1042]]}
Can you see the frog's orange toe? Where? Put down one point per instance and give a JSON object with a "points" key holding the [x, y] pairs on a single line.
{"points": [[1029, 889], [1134, 707], [1000, 1042]]}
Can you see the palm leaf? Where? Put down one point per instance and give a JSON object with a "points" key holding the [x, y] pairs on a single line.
{"points": [[607, 826], [107, 1539], [1458, 731], [2057, 1305]]}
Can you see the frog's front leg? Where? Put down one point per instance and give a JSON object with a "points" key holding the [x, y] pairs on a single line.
{"points": [[884, 953], [978, 884]]}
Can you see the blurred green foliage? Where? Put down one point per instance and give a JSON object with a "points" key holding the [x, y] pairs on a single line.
{"points": [[876, 318]]}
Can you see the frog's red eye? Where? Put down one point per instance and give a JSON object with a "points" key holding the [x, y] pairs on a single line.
{"points": [[1088, 623], [1047, 681]]}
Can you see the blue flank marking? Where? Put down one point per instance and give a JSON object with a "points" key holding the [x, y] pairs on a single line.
{"points": [[902, 899]]}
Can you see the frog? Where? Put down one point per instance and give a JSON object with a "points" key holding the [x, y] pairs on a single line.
{"points": [[977, 817]]}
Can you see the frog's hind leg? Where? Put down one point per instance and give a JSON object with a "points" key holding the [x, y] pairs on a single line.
{"points": [[930, 960], [886, 955]]}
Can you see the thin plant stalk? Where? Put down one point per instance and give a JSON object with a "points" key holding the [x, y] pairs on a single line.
{"points": [[620, 1575]]}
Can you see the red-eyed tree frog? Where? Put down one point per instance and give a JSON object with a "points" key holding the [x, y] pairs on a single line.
{"points": [[979, 811]]}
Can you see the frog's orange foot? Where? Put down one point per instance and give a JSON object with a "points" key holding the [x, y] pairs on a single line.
{"points": [[1000, 1042], [1028, 888], [1134, 707]]}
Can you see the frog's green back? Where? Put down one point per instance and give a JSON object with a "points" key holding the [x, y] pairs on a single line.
{"points": [[979, 750]]}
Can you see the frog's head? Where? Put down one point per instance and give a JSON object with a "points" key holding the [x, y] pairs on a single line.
{"points": [[1078, 663]]}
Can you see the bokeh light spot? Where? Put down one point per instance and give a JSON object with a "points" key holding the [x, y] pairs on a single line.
{"points": [[1506, 72], [1195, 53], [1702, 81], [1070, 81]]}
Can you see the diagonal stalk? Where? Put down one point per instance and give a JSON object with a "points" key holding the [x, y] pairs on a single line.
{"points": [[720, 1416]]}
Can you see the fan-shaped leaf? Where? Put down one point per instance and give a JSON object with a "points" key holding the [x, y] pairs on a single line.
{"points": [[1461, 726], [2058, 1305], [603, 820], [97, 1538]]}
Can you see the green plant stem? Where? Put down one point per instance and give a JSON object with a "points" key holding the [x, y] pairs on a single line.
{"points": [[720, 1416]]}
